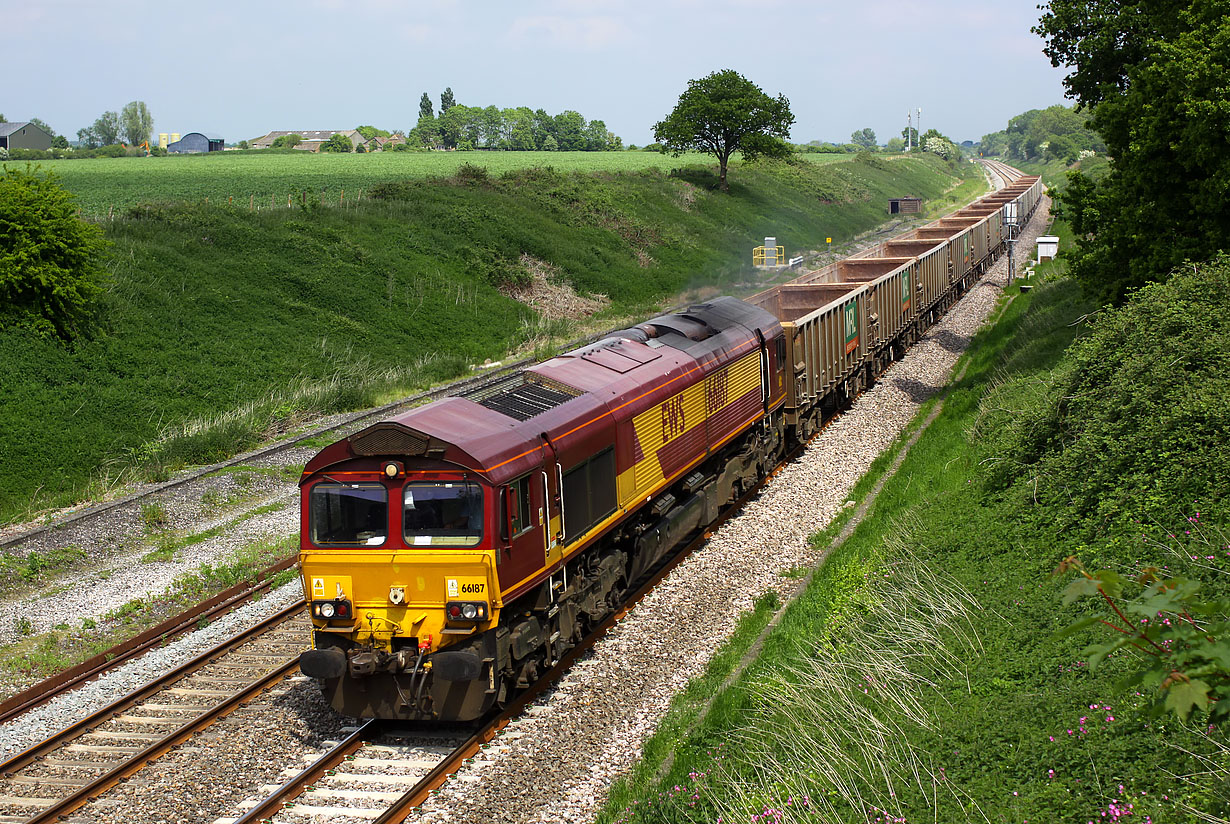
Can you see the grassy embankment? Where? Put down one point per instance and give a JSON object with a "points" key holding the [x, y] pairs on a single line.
{"points": [[919, 676], [264, 179], [221, 327]]}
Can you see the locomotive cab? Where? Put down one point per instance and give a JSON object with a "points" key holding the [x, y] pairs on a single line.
{"points": [[398, 561]]}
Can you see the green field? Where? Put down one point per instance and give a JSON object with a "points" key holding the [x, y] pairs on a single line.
{"points": [[261, 178]]}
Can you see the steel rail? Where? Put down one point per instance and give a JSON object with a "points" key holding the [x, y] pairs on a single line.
{"points": [[173, 627], [140, 760], [87, 724], [294, 786]]}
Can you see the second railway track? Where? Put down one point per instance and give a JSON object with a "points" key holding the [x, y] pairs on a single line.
{"points": [[84, 760]]}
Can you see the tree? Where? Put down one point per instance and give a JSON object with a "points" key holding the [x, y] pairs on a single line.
{"points": [[107, 128], [425, 108], [42, 124], [243, 144], [447, 101], [59, 142], [286, 141], [544, 127], [895, 144], [596, 136], [570, 131], [866, 138], [492, 125], [550, 144], [724, 113], [1152, 75], [137, 122], [369, 132], [910, 135], [88, 138], [49, 258], [521, 136], [337, 143]]}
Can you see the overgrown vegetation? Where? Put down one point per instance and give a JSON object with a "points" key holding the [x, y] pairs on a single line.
{"points": [[222, 327], [45, 651], [998, 716]]}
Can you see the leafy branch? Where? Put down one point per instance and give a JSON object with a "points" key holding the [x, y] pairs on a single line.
{"points": [[1181, 642]]}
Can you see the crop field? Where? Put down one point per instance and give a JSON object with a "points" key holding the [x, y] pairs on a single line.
{"points": [[264, 179]]}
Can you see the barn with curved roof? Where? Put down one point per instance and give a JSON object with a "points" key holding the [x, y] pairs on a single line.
{"points": [[197, 142]]}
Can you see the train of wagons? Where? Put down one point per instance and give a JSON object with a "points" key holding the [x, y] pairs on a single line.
{"points": [[453, 553]]}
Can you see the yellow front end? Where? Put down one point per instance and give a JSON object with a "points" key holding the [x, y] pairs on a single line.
{"points": [[399, 597], [407, 634]]}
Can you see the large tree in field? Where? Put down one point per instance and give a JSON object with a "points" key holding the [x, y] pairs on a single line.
{"points": [[726, 113], [136, 122], [1153, 75]]}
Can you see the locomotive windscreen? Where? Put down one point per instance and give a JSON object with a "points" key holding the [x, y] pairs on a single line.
{"points": [[349, 514], [443, 514]]}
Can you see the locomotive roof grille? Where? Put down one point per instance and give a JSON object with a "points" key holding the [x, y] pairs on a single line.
{"points": [[388, 440], [520, 398]]}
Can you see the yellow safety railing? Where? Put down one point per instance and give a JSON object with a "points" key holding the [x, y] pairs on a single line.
{"points": [[769, 256]]}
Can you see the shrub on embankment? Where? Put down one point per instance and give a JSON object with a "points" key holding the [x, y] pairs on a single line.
{"points": [[220, 326]]}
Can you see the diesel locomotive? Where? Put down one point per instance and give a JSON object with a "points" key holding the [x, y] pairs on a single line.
{"points": [[452, 553]]}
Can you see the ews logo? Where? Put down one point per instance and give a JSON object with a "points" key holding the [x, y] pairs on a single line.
{"points": [[673, 423]]}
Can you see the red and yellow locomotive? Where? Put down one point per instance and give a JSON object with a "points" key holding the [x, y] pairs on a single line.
{"points": [[452, 553]]}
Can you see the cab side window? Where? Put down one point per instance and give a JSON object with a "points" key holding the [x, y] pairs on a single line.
{"points": [[520, 512]]}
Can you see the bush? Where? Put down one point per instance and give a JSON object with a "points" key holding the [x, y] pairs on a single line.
{"points": [[1130, 429], [49, 271], [338, 143]]}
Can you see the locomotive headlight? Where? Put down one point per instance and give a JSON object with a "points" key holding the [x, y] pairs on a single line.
{"points": [[326, 609], [466, 611], [392, 469]]}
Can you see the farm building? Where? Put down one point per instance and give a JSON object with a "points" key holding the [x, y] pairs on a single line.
{"points": [[23, 136], [194, 142], [311, 140], [378, 143]]}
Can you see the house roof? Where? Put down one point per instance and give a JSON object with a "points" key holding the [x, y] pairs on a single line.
{"points": [[7, 129], [308, 134]]}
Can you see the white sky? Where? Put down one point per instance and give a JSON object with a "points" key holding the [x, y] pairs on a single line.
{"points": [[244, 68]]}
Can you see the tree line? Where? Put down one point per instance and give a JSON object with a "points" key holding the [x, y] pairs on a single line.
{"points": [[520, 129], [1054, 133]]}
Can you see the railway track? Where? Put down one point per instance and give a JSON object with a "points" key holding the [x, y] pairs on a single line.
{"points": [[84, 760], [380, 774]]}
